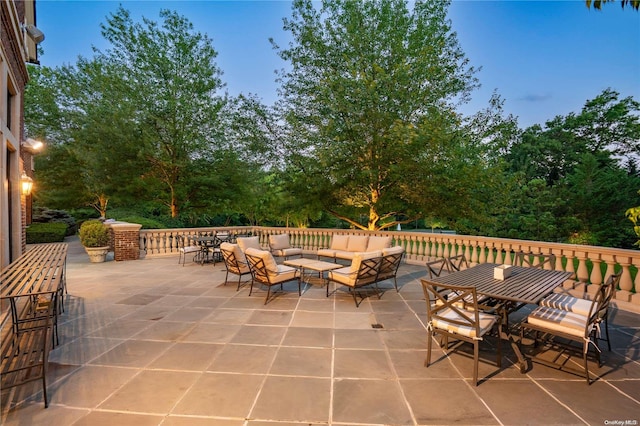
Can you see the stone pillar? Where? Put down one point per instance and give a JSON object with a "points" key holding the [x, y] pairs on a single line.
{"points": [[126, 240]]}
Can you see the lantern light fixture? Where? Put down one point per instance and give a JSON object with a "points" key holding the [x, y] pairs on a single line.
{"points": [[26, 184]]}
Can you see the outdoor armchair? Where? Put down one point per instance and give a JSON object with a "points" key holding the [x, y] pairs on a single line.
{"points": [[281, 247], [235, 262], [266, 272]]}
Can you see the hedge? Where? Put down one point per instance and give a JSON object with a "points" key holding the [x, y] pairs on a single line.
{"points": [[46, 233]]}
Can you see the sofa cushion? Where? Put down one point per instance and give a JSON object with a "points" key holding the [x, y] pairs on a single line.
{"points": [[266, 256], [357, 243], [392, 250], [279, 242], [339, 242], [343, 276], [326, 253], [378, 243], [249, 242], [360, 256]]}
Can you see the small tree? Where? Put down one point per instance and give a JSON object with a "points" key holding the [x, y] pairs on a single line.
{"points": [[634, 216]]}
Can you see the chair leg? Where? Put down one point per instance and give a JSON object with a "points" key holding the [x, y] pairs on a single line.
{"points": [[251, 288], [430, 337], [606, 330], [266, 299], [586, 364], [476, 357], [239, 281], [226, 277]]}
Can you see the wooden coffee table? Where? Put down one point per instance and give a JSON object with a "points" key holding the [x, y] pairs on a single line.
{"points": [[318, 266]]}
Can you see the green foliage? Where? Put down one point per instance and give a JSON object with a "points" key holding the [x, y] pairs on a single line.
{"points": [[46, 233], [633, 214], [369, 104], [45, 215], [145, 222], [93, 233]]}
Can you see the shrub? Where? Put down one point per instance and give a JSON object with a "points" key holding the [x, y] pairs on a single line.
{"points": [[46, 215], [93, 233], [46, 233]]}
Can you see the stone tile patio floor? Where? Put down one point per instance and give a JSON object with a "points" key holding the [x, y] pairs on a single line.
{"points": [[151, 342]]}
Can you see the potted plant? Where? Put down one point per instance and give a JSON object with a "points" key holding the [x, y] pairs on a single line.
{"points": [[94, 236]]}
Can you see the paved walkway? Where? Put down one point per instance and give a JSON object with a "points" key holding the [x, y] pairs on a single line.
{"points": [[150, 342]]}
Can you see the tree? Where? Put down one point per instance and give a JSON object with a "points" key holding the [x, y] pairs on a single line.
{"points": [[371, 95], [597, 4], [169, 73]]}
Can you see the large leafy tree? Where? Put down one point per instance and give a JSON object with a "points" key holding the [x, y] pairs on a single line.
{"points": [[370, 100], [169, 73]]}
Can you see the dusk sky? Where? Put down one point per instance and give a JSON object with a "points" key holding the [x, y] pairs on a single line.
{"points": [[545, 58]]}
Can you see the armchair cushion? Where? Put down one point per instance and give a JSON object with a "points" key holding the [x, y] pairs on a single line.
{"points": [[266, 256], [249, 242], [237, 252], [279, 242]]}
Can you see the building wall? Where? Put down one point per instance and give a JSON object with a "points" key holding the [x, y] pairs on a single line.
{"points": [[13, 78]]}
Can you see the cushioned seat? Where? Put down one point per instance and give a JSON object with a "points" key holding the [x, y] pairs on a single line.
{"points": [[235, 262], [363, 271], [265, 271], [281, 247], [447, 317]]}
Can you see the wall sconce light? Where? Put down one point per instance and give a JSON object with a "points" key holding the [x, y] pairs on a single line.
{"points": [[26, 184], [34, 33], [32, 145]]}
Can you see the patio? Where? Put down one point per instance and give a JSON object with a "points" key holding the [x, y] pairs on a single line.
{"points": [[150, 342]]}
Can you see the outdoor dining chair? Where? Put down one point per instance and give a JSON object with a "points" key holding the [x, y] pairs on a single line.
{"points": [[184, 249], [435, 267], [561, 328], [457, 263], [581, 306], [535, 260], [447, 317]]}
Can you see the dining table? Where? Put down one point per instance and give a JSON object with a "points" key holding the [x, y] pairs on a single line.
{"points": [[522, 286]]}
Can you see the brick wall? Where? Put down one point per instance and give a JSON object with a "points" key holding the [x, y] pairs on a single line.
{"points": [[126, 240]]}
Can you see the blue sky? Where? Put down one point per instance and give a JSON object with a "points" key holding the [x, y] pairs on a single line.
{"points": [[545, 58]]}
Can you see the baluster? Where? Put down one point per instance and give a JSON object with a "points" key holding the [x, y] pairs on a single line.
{"points": [[582, 273], [482, 255], [596, 272], [626, 283]]}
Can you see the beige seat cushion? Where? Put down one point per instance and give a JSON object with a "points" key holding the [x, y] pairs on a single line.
{"points": [[339, 242], [266, 256], [567, 303], [249, 242], [292, 251], [357, 243], [486, 321], [284, 273], [343, 276], [326, 252], [559, 320], [279, 242], [378, 243]]}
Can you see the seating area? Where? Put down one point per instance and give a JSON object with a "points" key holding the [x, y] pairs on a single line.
{"points": [[152, 342]]}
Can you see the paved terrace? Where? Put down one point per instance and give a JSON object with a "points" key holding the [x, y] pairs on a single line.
{"points": [[150, 342]]}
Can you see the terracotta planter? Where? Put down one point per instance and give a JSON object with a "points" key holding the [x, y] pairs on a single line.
{"points": [[97, 254]]}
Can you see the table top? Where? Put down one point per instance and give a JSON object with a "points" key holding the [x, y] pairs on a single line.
{"points": [[525, 285], [313, 264]]}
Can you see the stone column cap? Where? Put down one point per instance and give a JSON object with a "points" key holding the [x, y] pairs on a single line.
{"points": [[123, 226]]}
